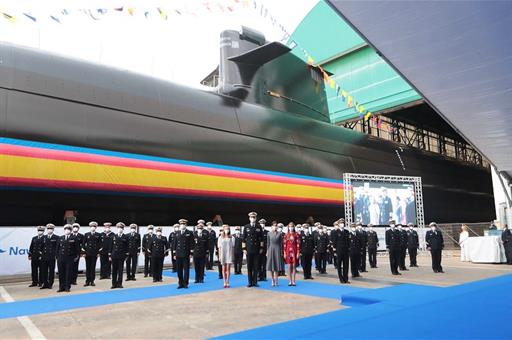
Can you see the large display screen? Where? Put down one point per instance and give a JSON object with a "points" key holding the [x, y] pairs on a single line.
{"points": [[378, 202]]}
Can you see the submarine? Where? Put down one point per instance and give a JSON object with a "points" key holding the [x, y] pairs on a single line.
{"points": [[113, 145]]}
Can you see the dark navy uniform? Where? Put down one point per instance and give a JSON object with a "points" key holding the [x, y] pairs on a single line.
{"points": [[212, 243], [201, 243], [158, 248], [403, 249], [238, 254], [506, 238], [321, 244], [363, 239], [68, 252], [92, 245], [262, 262], [183, 244], [340, 239], [117, 252], [373, 245], [435, 244], [307, 249], [355, 253], [253, 241], [34, 255], [133, 243], [105, 261], [171, 242], [80, 240], [412, 246], [146, 239], [48, 257], [393, 245]]}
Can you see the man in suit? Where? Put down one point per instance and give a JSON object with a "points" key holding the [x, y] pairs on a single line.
{"points": [[393, 246], [91, 245], [34, 256], [373, 245], [412, 245], [386, 207], [48, 257], [68, 252], [200, 251], [262, 261], [158, 247], [307, 249], [435, 244], [212, 243], [340, 239], [506, 238], [253, 246], [183, 244], [105, 262], [238, 252], [133, 244], [117, 252], [403, 247], [146, 239], [80, 238]]}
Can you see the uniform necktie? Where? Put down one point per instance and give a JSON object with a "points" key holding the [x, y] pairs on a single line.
{"points": [[67, 237]]}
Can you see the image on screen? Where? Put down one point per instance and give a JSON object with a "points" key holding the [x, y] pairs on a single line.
{"points": [[378, 202]]}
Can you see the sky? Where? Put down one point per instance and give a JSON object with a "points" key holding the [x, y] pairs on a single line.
{"points": [[176, 40]]}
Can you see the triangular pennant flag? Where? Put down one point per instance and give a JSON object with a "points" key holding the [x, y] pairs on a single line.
{"points": [[331, 82], [361, 108], [146, 14], [131, 11], [119, 9], [65, 12], [344, 94], [163, 15], [310, 60], [30, 17], [10, 18], [55, 18], [349, 103]]}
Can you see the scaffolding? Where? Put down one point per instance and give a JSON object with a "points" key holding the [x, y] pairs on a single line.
{"points": [[418, 195]]}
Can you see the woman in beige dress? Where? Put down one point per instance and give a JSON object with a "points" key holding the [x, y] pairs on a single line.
{"points": [[226, 246], [463, 236]]}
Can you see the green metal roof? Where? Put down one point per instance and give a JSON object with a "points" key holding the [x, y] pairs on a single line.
{"points": [[356, 67]]}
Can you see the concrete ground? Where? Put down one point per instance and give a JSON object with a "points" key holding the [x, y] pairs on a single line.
{"points": [[212, 313]]}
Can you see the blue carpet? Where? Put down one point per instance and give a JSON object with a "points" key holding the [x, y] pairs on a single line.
{"points": [[477, 310], [65, 302]]}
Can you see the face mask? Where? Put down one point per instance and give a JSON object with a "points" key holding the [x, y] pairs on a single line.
{"points": [[291, 229], [39, 233], [252, 219], [262, 225], [392, 225], [321, 231], [67, 231], [400, 227], [342, 225], [280, 230], [299, 230], [175, 229], [107, 230], [306, 231], [226, 231], [209, 228], [353, 229], [93, 228], [50, 231], [433, 228], [133, 230], [150, 231], [75, 229], [370, 228], [237, 232], [119, 231], [159, 233], [182, 227]]}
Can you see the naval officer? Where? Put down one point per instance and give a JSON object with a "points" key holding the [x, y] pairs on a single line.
{"points": [[253, 246]]}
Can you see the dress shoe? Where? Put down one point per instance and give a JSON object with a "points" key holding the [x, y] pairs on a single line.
{"points": [[33, 285], [68, 290], [134, 279], [60, 290], [256, 285], [86, 284], [145, 275], [249, 285], [73, 283], [120, 286]]}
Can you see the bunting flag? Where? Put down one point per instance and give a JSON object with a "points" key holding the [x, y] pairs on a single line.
{"points": [[331, 83], [55, 18], [131, 11], [163, 15], [28, 15], [8, 17], [310, 60], [349, 103]]}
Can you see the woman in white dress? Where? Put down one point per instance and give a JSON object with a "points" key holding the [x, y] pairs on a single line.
{"points": [[226, 246], [463, 236]]}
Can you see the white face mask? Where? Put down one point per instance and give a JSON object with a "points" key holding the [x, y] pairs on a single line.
{"points": [[199, 231], [158, 233], [209, 227], [280, 230], [299, 230], [291, 229], [321, 231], [67, 231], [306, 231], [336, 226], [226, 231], [252, 219], [133, 230], [119, 231], [176, 229], [370, 228], [39, 233], [262, 225], [353, 229], [49, 231], [107, 230], [75, 229], [93, 229], [433, 228], [182, 227], [342, 225], [237, 232], [392, 225], [150, 231]]}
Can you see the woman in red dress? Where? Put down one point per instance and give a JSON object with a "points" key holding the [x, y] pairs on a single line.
{"points": [[291, 249]]}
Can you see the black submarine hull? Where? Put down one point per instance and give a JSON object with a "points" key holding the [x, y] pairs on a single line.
{"points": [[52, 108]]}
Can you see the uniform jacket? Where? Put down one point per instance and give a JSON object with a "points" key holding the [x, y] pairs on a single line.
{"points": [[80, 238], [373, 240], [201, 243], [158, 247], [253, 238], [92, 243], [434, 239], [69, 248], [355, 243], [363, 238], [340, 239], [403, 238], [321, 243], [506, 237], [49, 249], [393, 239], [212, 239], [118, 247], [133, 243], [106, 240], [183, 243], [146, 239], [36, 246], [307, 244], [412, 239], [238, 251]]}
